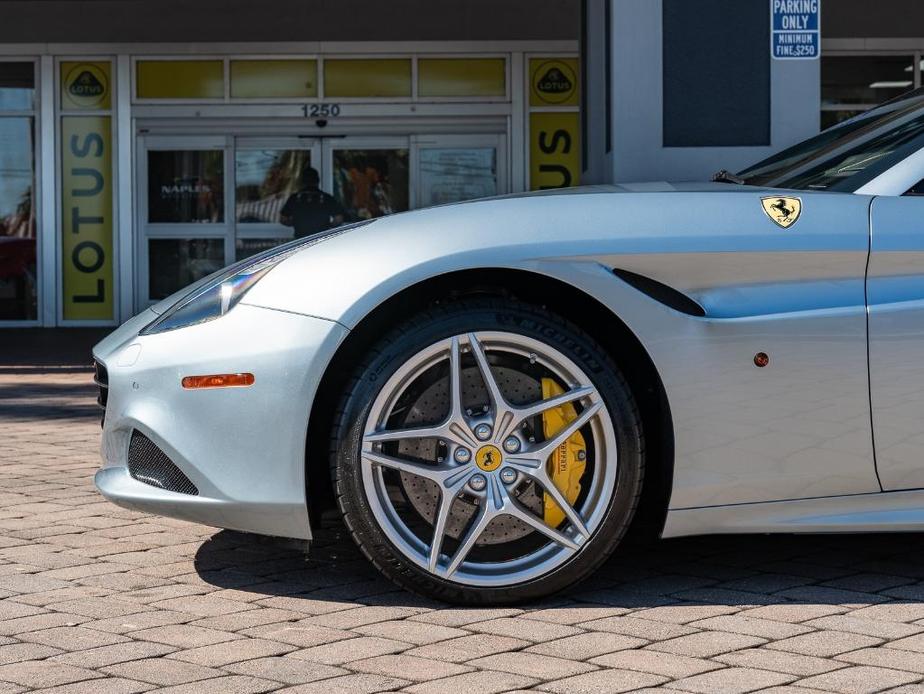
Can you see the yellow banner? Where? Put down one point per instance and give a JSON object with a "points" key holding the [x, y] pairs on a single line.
{"points": [[86, 217], [554, 150]]}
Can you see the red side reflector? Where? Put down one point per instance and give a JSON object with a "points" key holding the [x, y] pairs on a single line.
{"points": [[218, 381]]}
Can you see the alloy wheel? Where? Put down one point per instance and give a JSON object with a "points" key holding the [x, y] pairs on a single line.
{"points": [[456, 461]]}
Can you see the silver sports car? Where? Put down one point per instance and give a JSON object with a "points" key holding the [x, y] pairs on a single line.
{"points": [[494, 393]]}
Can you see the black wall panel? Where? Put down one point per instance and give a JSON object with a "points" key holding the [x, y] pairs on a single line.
{"points": [[716, 61]]}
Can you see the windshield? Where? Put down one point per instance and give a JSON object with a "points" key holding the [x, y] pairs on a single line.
{"points": [[849, 154]]}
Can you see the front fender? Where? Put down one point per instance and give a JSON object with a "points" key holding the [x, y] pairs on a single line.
{"points": [[796, 429]]}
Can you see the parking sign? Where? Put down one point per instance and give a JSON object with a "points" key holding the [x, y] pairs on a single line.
{"points": [[795, 29]]}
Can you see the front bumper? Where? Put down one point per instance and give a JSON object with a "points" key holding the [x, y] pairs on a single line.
{"points": [[242, 448]]}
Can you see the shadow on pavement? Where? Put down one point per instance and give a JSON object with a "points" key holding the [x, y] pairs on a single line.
{"points": [[735, 571], [32, 350], [41, 393]]}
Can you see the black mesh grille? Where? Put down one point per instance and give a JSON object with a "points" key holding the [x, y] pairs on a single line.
{"points": [[101, 378], [148, 464]]}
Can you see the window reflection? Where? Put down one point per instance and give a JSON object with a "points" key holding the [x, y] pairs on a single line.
{"points": [[175, 263], [370, 182], [454, 174], [264, 180], [244, 248], [18, 285], [853, 84]]}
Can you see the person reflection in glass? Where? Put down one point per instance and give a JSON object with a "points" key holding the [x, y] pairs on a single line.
{"points": [[311, 210]]}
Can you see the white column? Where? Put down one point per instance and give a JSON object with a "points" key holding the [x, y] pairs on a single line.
{"points": [[124, 241], [49, 236], [518, 146]]}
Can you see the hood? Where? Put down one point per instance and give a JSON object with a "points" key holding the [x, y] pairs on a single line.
{"points": [[632, 226]]}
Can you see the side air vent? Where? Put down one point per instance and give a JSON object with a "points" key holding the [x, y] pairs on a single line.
{"points": [[661, 293], [148, 464]]}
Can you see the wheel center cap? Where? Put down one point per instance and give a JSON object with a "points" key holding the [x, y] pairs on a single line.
{"points": [[488, 458]]}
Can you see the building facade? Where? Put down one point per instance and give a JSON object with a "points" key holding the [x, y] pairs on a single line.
{"points": [[144, 145]]}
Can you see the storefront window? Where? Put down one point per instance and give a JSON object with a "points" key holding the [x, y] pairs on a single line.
{"points": [[461, 77], [244, 248], [175, 263], [370, 182], [274, 79], [454, 174], [185, 186], [180, 79], [367, 78], [853, 84], [17, 86], [264, 179], [18, 274]]}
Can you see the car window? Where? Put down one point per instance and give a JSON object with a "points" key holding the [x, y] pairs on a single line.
{"points": [[916, 189], [872, 132], [838, 169], [803, 151]]}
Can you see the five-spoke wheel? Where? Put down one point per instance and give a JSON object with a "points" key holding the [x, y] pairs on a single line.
{"points": [[489, 458]]}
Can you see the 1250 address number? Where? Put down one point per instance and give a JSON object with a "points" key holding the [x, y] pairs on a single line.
{"points": [[321, 110]]}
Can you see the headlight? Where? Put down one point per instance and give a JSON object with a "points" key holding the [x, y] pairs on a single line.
{"points": [[213, 300], [218, 296]]}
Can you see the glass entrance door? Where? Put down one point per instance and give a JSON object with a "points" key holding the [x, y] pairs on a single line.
{"points": [[184, 213], [206, 202], [209, 201], [272, 180], [368, 176], [452, 168]]}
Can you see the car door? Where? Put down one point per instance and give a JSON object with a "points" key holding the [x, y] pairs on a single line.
{"points": [[895, 295]]}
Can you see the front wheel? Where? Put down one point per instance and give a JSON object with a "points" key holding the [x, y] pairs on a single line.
{"points": [[487, 452]]}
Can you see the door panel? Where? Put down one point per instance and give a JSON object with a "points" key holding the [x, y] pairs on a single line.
{"points": [[896, 340]]}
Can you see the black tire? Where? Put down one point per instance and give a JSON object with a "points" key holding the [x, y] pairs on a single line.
{"points": [[441, 322]]}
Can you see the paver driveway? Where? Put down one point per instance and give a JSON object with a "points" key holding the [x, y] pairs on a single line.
{"points": [[97, 599]]}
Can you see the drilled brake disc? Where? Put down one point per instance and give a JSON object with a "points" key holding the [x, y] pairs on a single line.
{"points": [[430, 406]]}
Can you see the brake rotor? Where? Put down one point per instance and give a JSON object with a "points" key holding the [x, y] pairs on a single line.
{"points": [[430, 406]]}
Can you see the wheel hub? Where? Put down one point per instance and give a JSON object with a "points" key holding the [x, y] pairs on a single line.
{"points": [[489, 458]]}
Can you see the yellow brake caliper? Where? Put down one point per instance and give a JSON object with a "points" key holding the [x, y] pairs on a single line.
{"points": [[566, 465]]}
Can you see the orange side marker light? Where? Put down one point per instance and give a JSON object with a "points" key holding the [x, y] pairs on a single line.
{"points": [[218, 381]]}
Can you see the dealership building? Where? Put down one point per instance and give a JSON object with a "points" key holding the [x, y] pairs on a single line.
{"points": [[146, 144]]}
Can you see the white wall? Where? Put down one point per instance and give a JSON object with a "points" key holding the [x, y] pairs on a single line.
{"points": [[638, 153]]}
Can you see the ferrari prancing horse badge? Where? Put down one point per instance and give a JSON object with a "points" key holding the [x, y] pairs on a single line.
{"points": [[783, 211]]}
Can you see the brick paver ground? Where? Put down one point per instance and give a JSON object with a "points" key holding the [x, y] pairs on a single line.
{"points": [[97, 599]]}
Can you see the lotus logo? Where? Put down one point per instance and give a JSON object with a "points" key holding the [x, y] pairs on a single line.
{"points": [[554, 82], [86, 86]]}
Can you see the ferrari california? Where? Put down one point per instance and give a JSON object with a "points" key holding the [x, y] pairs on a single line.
{"points": [[493, 393]]}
